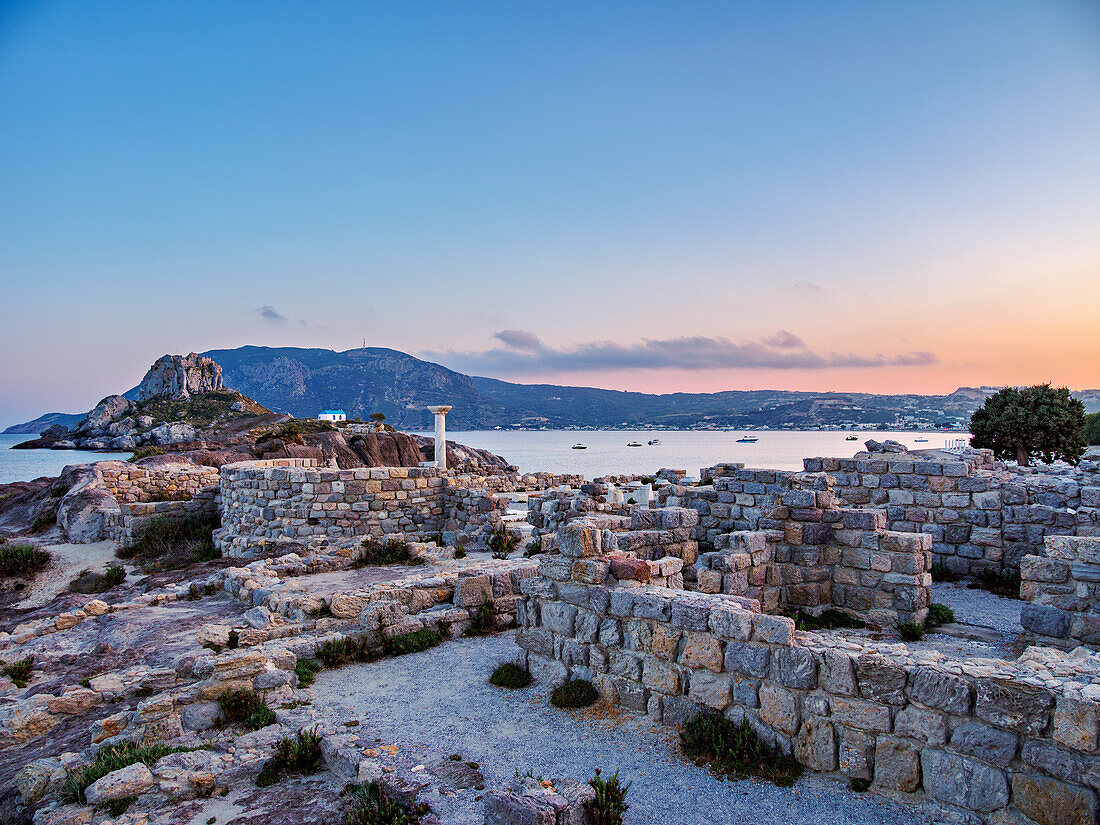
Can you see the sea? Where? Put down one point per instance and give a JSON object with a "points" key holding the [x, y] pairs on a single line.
{"points": [[606, 451]]}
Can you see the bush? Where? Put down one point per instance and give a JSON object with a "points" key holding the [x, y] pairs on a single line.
{"points": [[610, 803], [170, 542], [344, 650], [939, 614], [943, 573], [412, 642], [44, 520], [1092, 428], [482, 622], [113, 758], [299, 754], [21, 559], [910, 631], [145, 452], [859, 785], [293, 430], [1006, 583], [245, 708], [306, 670], [89, 582], [510, 675], [534, 548], [372, 805], [19, 671], [831, 619], [460, 552], [394, 551], [576, 693], [736, 751], [503, 541]]}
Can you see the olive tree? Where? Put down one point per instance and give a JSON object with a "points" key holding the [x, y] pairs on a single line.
{"points": [[1022, 422]]}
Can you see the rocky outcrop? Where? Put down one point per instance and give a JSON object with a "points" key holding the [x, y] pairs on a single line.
{"points": [[465, 459], [179, 377], [82, 513]]}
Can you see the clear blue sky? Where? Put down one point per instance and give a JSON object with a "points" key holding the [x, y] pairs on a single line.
{"points": [[638, 195]]}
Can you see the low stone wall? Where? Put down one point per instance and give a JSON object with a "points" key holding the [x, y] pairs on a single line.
{"points": [[976, 737], [124, 524], [1063, 588], [131, 484], [551, 509]]}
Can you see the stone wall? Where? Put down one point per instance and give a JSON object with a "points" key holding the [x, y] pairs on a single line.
{"points": [[132, 484], [124, 524], [1063, 588], [976, 737]]}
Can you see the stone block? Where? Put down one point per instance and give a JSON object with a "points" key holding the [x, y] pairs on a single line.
{"points": [[772, 629], [856, 713], [897, 764], [1019, 707], [125, 782], [838, 673], [796, 667], [730, 622], [965, 782], [880, 679], [1075, 723], [924, 725], [1050, 802], [856, 753], [749, 659], [815, 745], [942, 690], [660, 676], [711, 689], [702, 650], [984, 742], [779, 708], [1045, 620]]}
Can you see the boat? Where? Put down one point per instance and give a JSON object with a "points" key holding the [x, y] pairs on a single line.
{"points": [[654, 442], [747, 439], [851, 438], [634, 444], [920, 440], [579, 446]]}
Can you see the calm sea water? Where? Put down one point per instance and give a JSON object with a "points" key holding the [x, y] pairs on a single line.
{"points": [[24, 465], [607, 453], [551, 450]]}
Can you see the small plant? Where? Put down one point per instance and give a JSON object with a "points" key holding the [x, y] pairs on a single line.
{"points": [[44, 520], [21, 559], [436, 539], [736, 751], [831, 619], [460, 552], [245, 708], [145, 452], [631, 500], [343, 650], [170, 542], [89, 582], [110, 759], [413, 642], [394, 551], [502, 542], [647, 480], [939, 614], [859, 785], [19, 671], [1006, 583], [610, 803], [234, 639], [299, 754], [575, 693], [306, 670], [117, 807], [534, 548], [372, 805], [943, 573], [910, 631], [510, 675], [320, 612], [707, 482], [481, 622]]}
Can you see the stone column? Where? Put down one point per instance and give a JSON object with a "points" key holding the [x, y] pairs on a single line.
{"points": [[440, 414]]}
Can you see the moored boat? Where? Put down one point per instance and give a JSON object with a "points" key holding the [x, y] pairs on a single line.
{"points": [[654, 442], [747, 439], [579, 446]]}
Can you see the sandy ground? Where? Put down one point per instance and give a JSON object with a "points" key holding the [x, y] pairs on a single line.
{"points": [[439, 702], [68, 561]]}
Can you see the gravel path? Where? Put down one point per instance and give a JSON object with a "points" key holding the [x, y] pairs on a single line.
{"points": [[979, 607], [437, 703]]}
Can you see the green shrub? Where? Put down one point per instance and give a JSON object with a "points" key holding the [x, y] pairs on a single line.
{"points": [[113, 758], [648, 480], [293, 430], [534, 548], [245, 708], [1006, 583], [576, 693], [503, 541], [482, 622], [88, 582], [394, 551], [460, 552], [44, 520], [170, 542], [343, 650], [510, 675], [859, 785], [735, 751], [306, 670], [413, 642], [610, 803], [831, 619], [706, 482], [299, 754], [943, 573], [145, 452], [21, 559], [910, 631], [939, 614], [19, 671], [372, 805]]}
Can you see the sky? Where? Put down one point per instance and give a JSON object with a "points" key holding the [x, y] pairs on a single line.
{"points": [[870, 196]]}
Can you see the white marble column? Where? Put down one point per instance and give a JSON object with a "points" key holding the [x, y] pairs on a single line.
{"points": [[440, 414]]}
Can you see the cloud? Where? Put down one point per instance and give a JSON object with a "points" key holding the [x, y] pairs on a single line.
{"points": [[525, 353], [269, 313]]}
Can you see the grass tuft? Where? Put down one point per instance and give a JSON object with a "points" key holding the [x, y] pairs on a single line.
{"points": [[510, 675], [394, 551], [736, 751], [938, 614], [299, 754], [21, 559], [110, 759], [1005, 584], [172, 542], [19, 671], [503, 541], [413, 642], [89, 582], [831, 619], [344, 650], [306, 670], [943, 573], [576, 693], [610, 803], [372, 805], [145, 452], [245, 708], [910, 631]]}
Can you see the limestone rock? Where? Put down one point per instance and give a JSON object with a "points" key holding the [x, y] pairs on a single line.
{"points": [[129, 781], [178, 377], [171, 433]]}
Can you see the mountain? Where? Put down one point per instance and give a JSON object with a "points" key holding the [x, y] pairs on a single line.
{"points": [[303, 382], [43, 421]]}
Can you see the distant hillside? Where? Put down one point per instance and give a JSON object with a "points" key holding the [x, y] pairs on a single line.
{"points": [[43, 421]]}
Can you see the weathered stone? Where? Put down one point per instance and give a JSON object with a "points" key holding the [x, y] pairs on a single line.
{"points": [[779, 708], [924, 725], [129, 781], [1050, 802], [74, 700], [880, 679], [897, 764], [201, 716], [749, 659], [965, 782], [942, 690], [1045, 620], [984, 742], [838, 673], [859, 714], [1020, 707], [796, 667], [857, 753], [815, 745], [731, 622], [702, 650], [710, 689], [660, 676], [1075, 723]]}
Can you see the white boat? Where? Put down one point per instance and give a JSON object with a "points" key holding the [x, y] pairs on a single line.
{"points": [[654, 442], [851, 438], [747, 439], [634, 444], [920, 440], [579, 446]]}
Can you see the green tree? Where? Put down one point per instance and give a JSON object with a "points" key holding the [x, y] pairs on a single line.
{"points": [[1021, 422], [1092, 428], [377, 416]]}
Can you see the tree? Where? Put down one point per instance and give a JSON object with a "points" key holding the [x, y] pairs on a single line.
{"points": [[377, 416], [1021, 422], [1092, 428]]}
